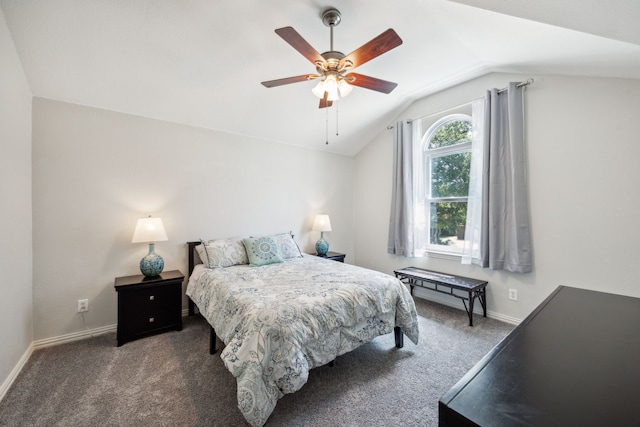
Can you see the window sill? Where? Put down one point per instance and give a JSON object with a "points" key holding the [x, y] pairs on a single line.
{"points": [[443, 255]]}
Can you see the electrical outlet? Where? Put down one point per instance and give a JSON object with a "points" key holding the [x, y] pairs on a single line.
{"points": [[83, 305], [513, 294]]}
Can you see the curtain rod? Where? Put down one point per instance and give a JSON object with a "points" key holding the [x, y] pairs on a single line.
{"points": [[521, 84], [504, 89]]}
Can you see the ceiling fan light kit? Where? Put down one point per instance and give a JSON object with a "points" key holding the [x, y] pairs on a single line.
{"points": [[334, 68]]}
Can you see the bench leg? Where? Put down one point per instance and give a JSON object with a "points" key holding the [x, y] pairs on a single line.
{"points": [[483, 301], [471, 300]]}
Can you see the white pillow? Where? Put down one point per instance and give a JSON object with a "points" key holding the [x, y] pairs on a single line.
{"points": [[222, 253], [287, 245]]}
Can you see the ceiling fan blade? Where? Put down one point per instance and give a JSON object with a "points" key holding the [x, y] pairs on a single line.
{"points": [[374, 48], [289, 80], [324, 102], [372, 83], [292, 37]]}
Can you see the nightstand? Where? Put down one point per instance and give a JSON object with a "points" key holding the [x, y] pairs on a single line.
{"points": [[335, 256], [148, 305]]}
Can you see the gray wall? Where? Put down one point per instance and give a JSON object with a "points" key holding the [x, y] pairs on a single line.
{"points": [[583, 150], [16, 327], [95, 172]]}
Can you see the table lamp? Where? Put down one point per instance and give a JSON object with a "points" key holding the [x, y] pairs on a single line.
{"points": [[322, 223], [150, 230]]}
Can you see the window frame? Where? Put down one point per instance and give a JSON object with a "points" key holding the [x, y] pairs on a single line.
{"points": [[427, 155]]}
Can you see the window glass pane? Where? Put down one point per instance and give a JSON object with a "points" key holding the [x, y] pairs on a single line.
{"points": [[447, 223], [450, 175], [451, 133]]}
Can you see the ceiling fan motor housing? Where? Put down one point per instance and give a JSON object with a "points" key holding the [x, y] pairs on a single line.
{"points": [[332, 61]]}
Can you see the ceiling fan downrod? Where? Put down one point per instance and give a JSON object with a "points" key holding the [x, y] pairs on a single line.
{"points": [[331, 18]]}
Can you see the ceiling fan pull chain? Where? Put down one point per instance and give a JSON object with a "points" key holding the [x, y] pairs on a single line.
{"points": [[337, 103], [326, 126]]}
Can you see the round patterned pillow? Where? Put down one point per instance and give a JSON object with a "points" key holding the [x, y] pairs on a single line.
{"points": [[262, 250]]}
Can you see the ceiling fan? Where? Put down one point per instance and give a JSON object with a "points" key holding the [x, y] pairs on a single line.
{"points": [[334, 69]]}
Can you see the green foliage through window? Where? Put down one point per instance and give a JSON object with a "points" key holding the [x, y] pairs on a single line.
{"points": [[451, 133], [448, 153]]}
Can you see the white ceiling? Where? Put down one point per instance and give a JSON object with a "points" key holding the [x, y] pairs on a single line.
{"points": [[200, 62]]}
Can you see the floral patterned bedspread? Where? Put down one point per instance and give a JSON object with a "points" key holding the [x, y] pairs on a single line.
{"points": [[278, 321]]}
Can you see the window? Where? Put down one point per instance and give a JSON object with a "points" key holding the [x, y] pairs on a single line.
{"points": [[446, 162]]}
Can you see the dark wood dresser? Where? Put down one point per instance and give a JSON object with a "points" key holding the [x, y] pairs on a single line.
{"points": [[575, 361], [148, 305]]}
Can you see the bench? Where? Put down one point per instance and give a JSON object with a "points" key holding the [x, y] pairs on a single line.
{"points": [[433, 280]]}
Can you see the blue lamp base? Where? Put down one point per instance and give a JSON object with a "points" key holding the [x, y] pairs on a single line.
{"points": [[322, 246], [152, 264]]}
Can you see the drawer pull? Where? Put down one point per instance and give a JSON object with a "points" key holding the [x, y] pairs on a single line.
{"points": [[151, 319], [152, 297]]}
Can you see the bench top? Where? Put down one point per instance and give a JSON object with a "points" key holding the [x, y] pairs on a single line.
{"points": [[458, 282]]}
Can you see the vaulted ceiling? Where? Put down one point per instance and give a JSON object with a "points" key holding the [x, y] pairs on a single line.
{"points": [[200, 62]]}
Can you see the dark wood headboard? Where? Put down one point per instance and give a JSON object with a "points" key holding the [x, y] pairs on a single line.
{"points": [[193, 256]]}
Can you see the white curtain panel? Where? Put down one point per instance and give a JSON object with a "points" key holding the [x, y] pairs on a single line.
{"points": [[501, 239], [472, 234]]}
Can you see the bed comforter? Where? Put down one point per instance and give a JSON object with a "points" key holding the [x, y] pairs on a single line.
{"points": [[280, 320]]}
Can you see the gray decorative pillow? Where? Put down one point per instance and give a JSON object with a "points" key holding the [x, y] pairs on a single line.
{"points": [[287, 245], [222, 253], [262, 251]]}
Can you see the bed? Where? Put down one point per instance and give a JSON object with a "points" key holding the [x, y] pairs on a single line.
{"points": [[278, 320]]}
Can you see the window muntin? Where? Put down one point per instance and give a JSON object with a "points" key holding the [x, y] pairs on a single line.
{"points": [[447, 163]]}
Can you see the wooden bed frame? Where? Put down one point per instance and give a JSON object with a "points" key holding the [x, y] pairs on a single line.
{"points": [[193, 261]]}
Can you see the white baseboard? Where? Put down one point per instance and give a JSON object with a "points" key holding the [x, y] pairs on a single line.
{"points": [[14, 373], [456, 303], [504, 318], [74, 336]]}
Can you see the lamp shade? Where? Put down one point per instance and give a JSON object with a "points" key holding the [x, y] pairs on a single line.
{"points": [[149, 230], [322, 223]]}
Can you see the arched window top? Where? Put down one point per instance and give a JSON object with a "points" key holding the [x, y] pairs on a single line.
{"points": [[448, 131]]}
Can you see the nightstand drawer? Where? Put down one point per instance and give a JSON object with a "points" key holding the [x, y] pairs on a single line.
{"points": [[148, 309], [151, 300]]}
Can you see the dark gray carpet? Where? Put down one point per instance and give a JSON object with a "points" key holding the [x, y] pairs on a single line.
{"points": [[170, 380]]}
